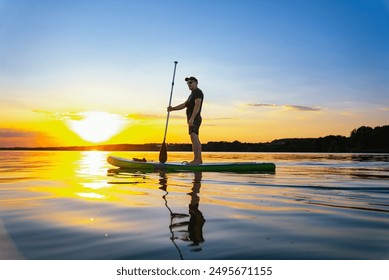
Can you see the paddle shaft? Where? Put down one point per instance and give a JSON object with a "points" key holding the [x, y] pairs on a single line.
{"points": [[170, 101], [163, 151]]}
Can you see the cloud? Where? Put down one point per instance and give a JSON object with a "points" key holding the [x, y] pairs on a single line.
{"points": [[300, 108], [12, 137], [222, 119], [15, 133], [62, 116], [289, 107], [262, 105], [76, 116], [144, 117]]}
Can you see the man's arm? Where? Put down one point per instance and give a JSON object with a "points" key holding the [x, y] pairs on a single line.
{"points": [[177, 108]]}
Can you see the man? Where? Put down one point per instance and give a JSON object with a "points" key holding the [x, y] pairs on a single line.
{"points": [[193, 114]]}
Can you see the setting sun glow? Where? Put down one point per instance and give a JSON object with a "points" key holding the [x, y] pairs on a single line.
{"points": [[96, 127]]}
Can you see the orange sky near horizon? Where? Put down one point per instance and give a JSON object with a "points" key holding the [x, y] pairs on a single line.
{"points": [[43, 129]]}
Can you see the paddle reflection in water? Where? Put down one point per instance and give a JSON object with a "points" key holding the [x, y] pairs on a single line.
{"points": [[180, 228]]}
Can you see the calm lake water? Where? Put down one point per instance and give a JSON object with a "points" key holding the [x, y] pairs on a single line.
{"points": [[66, 205]]}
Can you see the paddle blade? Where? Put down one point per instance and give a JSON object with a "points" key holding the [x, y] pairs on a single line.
{"points": [[163, 153]]}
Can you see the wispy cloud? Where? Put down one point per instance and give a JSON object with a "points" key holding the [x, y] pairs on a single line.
{"points": [[133, 117], [144, 116], [140, 116], [287, 106], [221, 119], [63, 116], [14, 137], [262, 105], [301, 108], [15, 133]]}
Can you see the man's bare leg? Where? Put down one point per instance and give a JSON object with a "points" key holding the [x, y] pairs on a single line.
{"points": [[196, 145]]}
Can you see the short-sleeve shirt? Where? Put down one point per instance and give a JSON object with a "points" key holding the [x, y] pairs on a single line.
{"points": [[190, 103]]}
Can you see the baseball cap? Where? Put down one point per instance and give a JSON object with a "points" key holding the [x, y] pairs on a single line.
{"points": [[191, 79]]}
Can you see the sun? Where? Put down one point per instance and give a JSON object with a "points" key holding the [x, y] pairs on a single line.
{"points": [[96, 127]]}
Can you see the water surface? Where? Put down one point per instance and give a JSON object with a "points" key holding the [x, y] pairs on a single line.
{"points": [[66, 205]]}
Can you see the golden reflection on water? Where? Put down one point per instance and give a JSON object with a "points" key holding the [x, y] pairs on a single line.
{"points": [[72, 190], [85, 178]]}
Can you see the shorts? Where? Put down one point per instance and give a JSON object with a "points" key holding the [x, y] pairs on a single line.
{"points": [[194, 129], [196, 126]]}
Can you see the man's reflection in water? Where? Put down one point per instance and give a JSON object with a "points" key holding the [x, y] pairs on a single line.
{"points": [[192, 230], [196, 221]]}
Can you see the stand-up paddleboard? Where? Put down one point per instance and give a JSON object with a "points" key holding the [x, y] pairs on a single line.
{"points": [[151, 166]]}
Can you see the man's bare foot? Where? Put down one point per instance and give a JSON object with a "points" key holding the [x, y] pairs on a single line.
{"points": [[193, 162]]}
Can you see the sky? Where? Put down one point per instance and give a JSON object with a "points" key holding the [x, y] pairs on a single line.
{"points": [[80, 72]]}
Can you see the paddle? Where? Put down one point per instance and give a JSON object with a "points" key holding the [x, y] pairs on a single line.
{"points": [[163, 151]]}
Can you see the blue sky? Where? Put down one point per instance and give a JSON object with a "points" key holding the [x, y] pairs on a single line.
{"points": [[288, 68]]}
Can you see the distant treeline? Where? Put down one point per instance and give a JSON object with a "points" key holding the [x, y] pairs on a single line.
{"points": [[363, 139]]}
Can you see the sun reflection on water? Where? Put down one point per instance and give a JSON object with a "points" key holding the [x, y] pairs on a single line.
{"points": [[91, 195], [92, 163]]}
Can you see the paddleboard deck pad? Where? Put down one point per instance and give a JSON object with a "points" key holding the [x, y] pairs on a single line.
{"points": [[151, 166]]}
